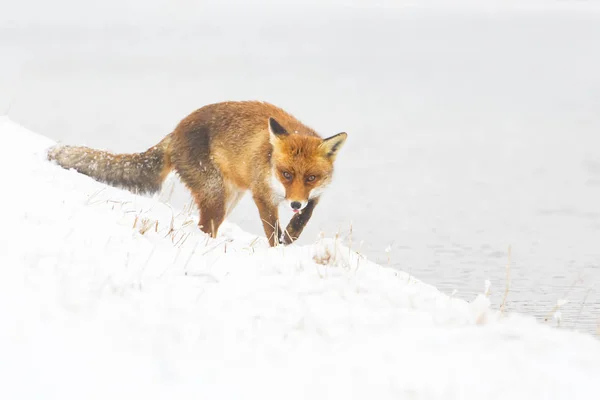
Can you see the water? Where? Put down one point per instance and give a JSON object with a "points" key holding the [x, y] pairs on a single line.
{"points": [[470, 130]]}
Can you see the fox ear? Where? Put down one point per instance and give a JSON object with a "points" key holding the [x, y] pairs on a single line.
{"points": [[333, 144], [275, 129]]}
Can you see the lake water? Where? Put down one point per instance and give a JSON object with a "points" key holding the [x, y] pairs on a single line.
{"points": [[470, 130]]}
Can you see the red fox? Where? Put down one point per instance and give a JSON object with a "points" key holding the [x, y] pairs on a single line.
{"points": [[220, 151]]}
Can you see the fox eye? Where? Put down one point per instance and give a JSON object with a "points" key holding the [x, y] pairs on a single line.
{"points": [[287, 175], [311, 178]]}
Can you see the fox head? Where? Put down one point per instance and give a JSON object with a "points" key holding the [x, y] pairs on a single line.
{"points": [[302, 164]]}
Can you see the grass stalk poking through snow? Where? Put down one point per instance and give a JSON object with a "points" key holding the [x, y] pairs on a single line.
{"points": [[507, 287]]}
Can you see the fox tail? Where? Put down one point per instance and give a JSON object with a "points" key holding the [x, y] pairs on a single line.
{"points": [[138, 172]]}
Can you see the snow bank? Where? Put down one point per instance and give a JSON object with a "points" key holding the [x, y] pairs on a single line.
{"points": [[104, 294]]}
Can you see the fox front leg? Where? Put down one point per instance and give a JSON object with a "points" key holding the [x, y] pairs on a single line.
{"points": [[270, 218], [298, 222]]}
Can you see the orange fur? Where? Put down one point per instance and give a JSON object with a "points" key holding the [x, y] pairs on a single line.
{"points": [[222, 150]]}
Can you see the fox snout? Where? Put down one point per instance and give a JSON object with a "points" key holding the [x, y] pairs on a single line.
{"points": [[297, 206]]}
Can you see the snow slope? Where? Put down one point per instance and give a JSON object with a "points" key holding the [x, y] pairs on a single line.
{"points": [[471, 129], [104, 294]]}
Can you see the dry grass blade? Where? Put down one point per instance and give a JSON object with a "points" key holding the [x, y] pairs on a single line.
{"points": [[212, 248], [146, 224], [93, 196], [350, 241], [288, 235], [182, 239], [274, 235], [507, 287], [253, 242], [559, 303], [324, 258], [582, 305]]}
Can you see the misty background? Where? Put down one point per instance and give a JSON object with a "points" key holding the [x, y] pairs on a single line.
{"points": [[472, 126]]}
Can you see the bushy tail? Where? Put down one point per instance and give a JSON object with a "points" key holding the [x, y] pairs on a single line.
{"points": [[139, 172]]}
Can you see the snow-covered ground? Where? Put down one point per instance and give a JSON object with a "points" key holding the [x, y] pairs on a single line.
{"points": [[473, 124], [104, 294]]}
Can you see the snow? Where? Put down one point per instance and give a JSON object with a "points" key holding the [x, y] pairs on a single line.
{"points": [[105, 294], [472, 127]]}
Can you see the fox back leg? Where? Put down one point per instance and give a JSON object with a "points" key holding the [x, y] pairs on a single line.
{"points": [[216, 205], [210, 195], [212, 213], [192, 162]]}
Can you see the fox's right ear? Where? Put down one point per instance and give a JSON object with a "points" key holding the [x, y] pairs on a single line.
{"points": [[276, 130]]}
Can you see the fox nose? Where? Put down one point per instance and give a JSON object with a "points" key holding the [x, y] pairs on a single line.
{"points": [[296, 205]]}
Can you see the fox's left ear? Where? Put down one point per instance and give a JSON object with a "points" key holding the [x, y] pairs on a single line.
{"points": [[333, 144]]}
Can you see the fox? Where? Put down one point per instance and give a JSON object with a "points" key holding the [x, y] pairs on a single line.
{"points": [[220, 152]]}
